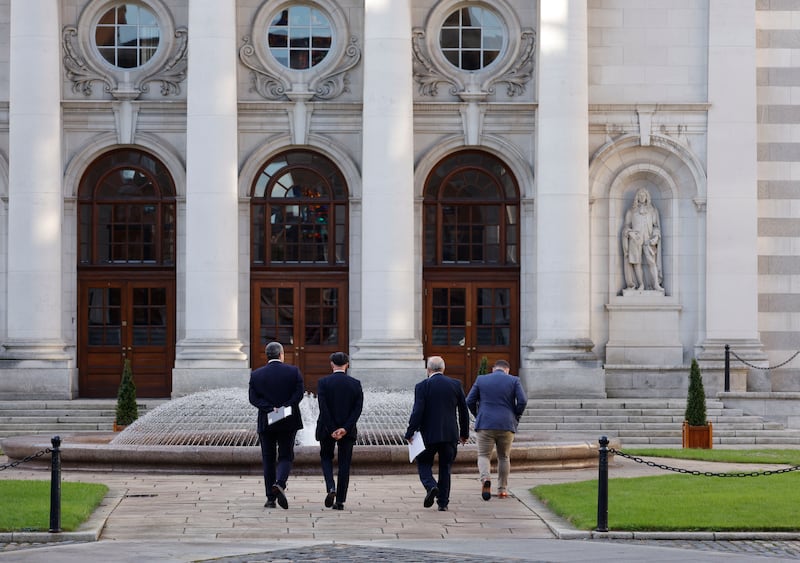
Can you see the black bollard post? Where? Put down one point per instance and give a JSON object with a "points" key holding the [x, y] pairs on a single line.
{"points": [[727, 367], [55, 485], [602, 487]]}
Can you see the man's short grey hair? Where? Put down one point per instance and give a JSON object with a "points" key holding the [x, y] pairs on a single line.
{"points": [[435, 364], [274, 350]]}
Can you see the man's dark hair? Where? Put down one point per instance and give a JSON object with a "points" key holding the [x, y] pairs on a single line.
{"points": [[502, 364], [274, 350]]}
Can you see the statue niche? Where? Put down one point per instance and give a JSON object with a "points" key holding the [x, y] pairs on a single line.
{"points": [[641, 245]]}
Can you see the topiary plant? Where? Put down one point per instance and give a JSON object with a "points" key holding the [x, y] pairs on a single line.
{"points": [[483, 368], [127, 409], [696, 400]]}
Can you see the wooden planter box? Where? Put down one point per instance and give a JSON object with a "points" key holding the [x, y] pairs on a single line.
{"points": [[698, 436], [119, 427]]}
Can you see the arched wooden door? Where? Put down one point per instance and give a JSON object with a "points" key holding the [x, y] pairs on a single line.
{"points": [[126, 274], [299, 262], [471, 258]]}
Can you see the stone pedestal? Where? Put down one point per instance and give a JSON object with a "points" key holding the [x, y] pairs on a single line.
{"points": [[644, 329]]}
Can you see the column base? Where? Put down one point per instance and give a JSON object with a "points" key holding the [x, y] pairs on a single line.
{"points": [[186, 381], [563, 369], [37, 369], [388, 365]]}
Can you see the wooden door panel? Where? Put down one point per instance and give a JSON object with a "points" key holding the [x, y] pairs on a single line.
{"points": [[308, 317], [119, 319], [467, 320]]}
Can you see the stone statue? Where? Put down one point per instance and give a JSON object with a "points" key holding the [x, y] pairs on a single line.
{"points": [[641, 244]]}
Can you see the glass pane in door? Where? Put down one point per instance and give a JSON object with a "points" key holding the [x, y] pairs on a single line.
{"points": [[149, 316], [493, 316], [449, 316], [104, 316], [321, 316], [277, 315]]}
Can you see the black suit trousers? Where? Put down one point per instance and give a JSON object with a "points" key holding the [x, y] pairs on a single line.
{"points": [[345, 456]]}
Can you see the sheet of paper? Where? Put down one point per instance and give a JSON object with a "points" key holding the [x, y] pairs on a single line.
{"points": [[416, 447], [280, 414]]}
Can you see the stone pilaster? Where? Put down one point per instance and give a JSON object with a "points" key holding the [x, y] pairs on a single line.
{"points": [[210, 352], [560, 360], [35, 355], [388, 351]]}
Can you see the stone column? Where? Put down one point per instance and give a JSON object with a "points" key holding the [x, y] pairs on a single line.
{"points": [[388, 351], [560, 361], [210, 354], [35, 358], [732, 191]]}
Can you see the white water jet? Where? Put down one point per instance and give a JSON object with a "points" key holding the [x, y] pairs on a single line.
{"points": [[225, 417]]}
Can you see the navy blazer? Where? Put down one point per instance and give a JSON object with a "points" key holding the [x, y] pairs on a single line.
{"points": [[497, 400], [277, 385], [341, 400], [436, 401]]}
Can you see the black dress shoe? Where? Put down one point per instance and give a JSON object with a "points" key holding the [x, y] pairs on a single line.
{"points": [[442, 509], [338, 506], [486, 490], [269, 504], [330, 497], [433, 492], [277, 490]]}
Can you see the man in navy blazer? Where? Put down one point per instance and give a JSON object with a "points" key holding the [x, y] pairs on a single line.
{"points": [[341, 400], [437, 401], [273, 386], [497, 400]]}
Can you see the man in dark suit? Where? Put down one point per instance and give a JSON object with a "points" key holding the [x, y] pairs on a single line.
{"points": [[272, 387], [437, 400], [497, 400], [341, 400]]}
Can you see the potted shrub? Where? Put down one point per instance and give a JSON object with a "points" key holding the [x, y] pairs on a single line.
{"points": [[697, 431], [483, 368], [127, 409]]}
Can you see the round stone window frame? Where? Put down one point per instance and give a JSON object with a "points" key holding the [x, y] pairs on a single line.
{"points": [[87, 24], [508, 52], [339, 39]]}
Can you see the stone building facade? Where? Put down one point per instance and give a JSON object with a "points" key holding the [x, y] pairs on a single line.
{"points": [[184, 180]]}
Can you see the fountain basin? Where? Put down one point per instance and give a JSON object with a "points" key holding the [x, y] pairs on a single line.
{"points": [[95, 452]]}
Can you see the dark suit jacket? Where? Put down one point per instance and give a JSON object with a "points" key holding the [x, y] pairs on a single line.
{"points": [[341, 400], [436, 401], [277, 385]]}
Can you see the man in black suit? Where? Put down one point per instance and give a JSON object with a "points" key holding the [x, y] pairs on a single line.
{"points": [[437, 399], [341, 400], [272, 387]]}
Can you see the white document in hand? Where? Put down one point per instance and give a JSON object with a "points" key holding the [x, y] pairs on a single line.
{"points": [[416, 447], [280, 414]]}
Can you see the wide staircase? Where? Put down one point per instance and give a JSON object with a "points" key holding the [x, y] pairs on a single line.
{"points": [[18, 418], [635, 422], [646, 422]]}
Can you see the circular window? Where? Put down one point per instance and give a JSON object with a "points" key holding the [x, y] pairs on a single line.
{"points": [[127, 35], [299, 37], [472, 38]]}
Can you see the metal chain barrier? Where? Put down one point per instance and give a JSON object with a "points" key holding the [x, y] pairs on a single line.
{"points": [[703, 473], [25, 459], [748, 364]]}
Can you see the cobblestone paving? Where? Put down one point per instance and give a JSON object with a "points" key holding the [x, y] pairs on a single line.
{"points": [[352, 554]]}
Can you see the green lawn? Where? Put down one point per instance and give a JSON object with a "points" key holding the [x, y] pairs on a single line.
{"points": [[688, 502], [25, 505]]}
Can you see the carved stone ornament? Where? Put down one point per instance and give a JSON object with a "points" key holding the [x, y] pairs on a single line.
{"points": [[84, 67], [279, 86], [431, 70]]}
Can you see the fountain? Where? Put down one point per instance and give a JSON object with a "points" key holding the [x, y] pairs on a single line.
{"points": [[215, 432]]}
